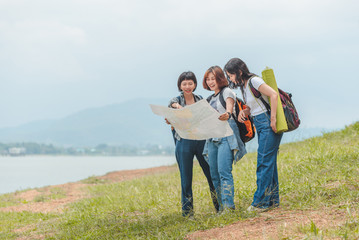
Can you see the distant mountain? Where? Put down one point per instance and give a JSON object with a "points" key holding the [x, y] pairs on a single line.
{"points": [[131, 123]]}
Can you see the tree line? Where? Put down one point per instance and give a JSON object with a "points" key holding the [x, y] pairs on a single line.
{"points": [[31, 148]]}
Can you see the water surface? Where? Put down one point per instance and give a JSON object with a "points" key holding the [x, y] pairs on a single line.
{"points": [[18, 173]]}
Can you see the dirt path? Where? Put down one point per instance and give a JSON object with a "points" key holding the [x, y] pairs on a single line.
{"points": [[42, 200], [277, 224]]}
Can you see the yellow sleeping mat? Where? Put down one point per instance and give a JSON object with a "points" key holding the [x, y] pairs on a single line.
{"points": [[269, 79]]}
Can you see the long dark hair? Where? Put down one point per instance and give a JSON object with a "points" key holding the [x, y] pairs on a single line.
{"points": [[239, 68]]}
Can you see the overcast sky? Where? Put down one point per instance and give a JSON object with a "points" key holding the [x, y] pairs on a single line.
{"points": [[59, 57]]}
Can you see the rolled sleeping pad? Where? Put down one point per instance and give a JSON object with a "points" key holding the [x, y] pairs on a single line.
{"points": [[269, 79]]}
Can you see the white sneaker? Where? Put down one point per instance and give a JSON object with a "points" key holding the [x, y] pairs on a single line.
{"points": [[251, 209]]}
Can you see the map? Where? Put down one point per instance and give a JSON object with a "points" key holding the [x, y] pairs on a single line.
{"points": [[197, 121]]}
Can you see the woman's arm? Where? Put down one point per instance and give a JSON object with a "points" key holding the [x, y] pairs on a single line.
{"points": [[174, 103], [273, 97], [229, 108]]}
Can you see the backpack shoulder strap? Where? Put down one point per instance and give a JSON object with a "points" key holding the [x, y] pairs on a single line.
{"points": [[257, 94], [199, 97], [179, 100], [221, 98], [209, 97]]}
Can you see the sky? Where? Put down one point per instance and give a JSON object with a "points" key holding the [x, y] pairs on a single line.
{"points": [[60, 57]]}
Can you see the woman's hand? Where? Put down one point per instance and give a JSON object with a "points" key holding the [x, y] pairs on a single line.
{"points": [[242, 116], [273, 124], [225, 116], [167, 121], [176, 105]]}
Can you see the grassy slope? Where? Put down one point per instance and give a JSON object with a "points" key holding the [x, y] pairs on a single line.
{"points": [[318, 173]]}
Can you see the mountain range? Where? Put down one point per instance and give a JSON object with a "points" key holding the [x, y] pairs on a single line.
{"points": [[130, 122], [127, 123]]}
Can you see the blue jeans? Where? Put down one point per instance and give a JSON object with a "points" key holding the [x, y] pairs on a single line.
{"points": [[220, 157], [185, 151], [267, 194]]}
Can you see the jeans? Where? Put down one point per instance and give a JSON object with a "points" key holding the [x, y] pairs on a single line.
{"points": [[220, 157], [185, 151], [267, 193]]}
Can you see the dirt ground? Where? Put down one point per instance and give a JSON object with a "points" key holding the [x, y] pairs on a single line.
{"points": [[276, 224]]}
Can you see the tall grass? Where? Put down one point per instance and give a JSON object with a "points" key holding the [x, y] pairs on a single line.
{"points": [[318, 173]]}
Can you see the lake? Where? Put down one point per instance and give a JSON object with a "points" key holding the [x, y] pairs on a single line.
{"points": [[18, 173]]}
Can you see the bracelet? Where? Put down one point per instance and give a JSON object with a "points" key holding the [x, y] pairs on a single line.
{"points": [[229, 115]]}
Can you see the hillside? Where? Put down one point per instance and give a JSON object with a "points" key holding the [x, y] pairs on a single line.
{"points": [[319, 190]]}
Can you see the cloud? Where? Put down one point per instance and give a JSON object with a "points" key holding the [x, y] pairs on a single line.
{"points": [[32, 49], [86, 48], [42, 32]]}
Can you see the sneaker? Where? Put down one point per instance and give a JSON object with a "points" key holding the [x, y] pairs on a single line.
{"points": [[252, 209], [189, 214], [226, 211]]}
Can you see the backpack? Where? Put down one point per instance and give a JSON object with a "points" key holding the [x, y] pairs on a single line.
{"points": [[246, 129], [290, 113]]}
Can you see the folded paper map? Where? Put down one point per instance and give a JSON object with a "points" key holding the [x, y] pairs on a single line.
{"points": [[197, 121]]}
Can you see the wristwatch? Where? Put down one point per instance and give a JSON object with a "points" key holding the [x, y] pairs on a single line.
{"points": [[229, 115]]}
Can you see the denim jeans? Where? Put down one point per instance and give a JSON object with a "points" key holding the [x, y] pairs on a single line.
{"points": [[185, 151], [267, 194], [220, 157]]}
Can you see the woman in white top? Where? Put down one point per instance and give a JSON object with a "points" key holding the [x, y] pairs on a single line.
{"points": [[267, 193], [222, 152]]}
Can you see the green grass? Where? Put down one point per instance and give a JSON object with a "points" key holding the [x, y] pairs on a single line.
{"points": [[55, 193], [315, 174], [11, 222], [8, 199]]}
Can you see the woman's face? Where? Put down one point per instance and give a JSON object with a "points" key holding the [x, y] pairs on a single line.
{"points": [[187, 86], [232, 77], [212, 83]]}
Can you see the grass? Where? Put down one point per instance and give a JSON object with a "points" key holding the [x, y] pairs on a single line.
{"points": [[320, 173], [94, 180], [8, 199], [54, 193], [16, 224]]}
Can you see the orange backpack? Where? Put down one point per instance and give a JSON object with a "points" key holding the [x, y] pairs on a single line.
{"points": [[246, 129]]}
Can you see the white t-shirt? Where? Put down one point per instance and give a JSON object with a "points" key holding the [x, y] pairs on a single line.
{"points": [[255, 104], [216, 103]]}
